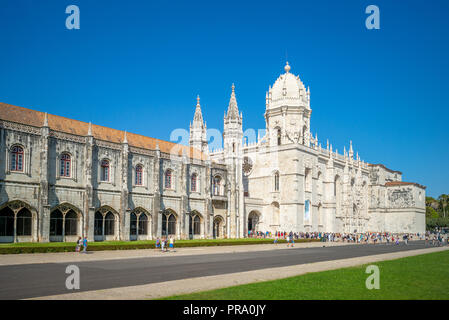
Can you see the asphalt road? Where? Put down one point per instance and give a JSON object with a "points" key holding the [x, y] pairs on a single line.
{"points": [[37, 280]]}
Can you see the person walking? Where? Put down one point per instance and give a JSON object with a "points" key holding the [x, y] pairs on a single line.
{"points": [[162, 244], [158, 243], [78, 244], [85, 245], [172, 243]]}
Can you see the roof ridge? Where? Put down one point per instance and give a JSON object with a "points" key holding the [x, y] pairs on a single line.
{"points": [[25, 116]]}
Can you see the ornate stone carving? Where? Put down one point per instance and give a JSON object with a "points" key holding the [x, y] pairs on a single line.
{"points": [[293, 135], [247, 166], [401, 198], [68, 137], [109, 145], [19, 127]]}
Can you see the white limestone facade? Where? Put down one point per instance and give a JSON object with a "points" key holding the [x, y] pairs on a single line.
{"points": [[291, 183], [62, 178]]}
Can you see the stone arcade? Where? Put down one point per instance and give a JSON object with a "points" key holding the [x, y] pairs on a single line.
{"points": [[62, 178]]}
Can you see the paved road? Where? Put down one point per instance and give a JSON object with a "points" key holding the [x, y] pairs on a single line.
{"points": [[37, 280]]}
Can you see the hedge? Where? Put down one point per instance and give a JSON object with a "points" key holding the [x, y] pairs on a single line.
{"points": [[103, 246]]}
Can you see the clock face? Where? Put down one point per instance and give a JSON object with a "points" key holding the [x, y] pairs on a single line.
{"points": [[247, 166]]}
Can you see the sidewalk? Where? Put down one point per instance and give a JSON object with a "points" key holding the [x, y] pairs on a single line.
{"points": [[63, 257], [178, 287]]}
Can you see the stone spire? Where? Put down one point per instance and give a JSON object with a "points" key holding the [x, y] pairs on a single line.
{"points": [[233, 110], [351, 152], [198, 117], [45, 120], [89, 131], [125, 138], [198, 134]]}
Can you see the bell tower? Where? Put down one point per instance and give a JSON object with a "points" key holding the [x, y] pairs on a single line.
{"points": [[287, 110], [198, 130], [233, 157]]}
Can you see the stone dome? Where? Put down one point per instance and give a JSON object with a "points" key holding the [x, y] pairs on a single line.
{"points": [[288, 90]]}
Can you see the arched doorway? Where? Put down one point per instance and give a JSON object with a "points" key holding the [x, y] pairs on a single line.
{"points": [[253, 221], [6, 225], [195, 221], [106, 224], [18, 222], [169, 221], [139, 225], [275, 216], [66, 223], [219, 228], [320, 218]]}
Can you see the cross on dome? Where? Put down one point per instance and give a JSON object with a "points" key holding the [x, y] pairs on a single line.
{"points": [[287, 67]]}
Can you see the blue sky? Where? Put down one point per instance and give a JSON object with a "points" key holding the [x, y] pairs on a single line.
{"points": [[139, 65]]}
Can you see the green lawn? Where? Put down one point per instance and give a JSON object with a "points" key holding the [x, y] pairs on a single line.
{"points": [[39, 247], [418, 277]]}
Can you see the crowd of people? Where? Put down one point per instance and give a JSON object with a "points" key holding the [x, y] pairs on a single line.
{"points": [[165, 244], [81, 243], [434, 239]]}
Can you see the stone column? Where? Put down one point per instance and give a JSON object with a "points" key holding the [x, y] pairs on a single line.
{"points": [[156, 214], [89, 208], [44, 207], [123, 234]]}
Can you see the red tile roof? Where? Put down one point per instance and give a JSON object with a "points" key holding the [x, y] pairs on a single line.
{"points": [[403, 183], [381, 165], [57, 123]]}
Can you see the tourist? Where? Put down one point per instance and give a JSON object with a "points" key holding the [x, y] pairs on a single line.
{"points": [[172, 244], [85, 245], [276, 239], [78, 244], [163, 245], [158, 243]]}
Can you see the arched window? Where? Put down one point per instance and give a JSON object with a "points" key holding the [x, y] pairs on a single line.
{"points": [[104, 176], [71, 223], [109, 224], [279, 138], [17, 158], [168, 179], [98, 224], [276, 181], [65, 165], [336, 181], [193, 184], [56, 219], [304, 132], [143, 224], [6, 222], [133, 225], [196, 225], [308, 180], [139, 174], [320, 183], [168, 224], [307, 210], [320, 218], [216, 185], [24, 222], [172, 225]]}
